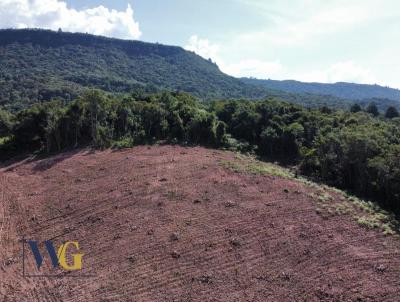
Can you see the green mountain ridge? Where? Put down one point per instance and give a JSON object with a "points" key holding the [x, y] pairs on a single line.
{"points": [[40, 65], [343, 90]]}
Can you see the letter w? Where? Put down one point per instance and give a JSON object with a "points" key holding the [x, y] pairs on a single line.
{"points": [[38, 256]]}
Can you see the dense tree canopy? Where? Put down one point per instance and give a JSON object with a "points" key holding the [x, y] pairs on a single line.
{"points": [[41, 65], [342, 90], [354, 151]]}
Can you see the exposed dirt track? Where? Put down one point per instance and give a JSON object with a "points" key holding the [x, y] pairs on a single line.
{"points": [[172, 224]]}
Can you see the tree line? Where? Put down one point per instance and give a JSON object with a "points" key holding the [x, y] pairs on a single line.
{"points": [[356, 150]]}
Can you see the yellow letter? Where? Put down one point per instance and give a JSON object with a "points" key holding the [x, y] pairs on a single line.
{"points": [[77, 263]]}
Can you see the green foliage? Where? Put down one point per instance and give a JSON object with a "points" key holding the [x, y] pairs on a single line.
{"points": [[345, 91], [123, 143], [392, 112], [6, 123], [372, 109], [101, 121], [355, 108], [42, 65], [353, 151]]}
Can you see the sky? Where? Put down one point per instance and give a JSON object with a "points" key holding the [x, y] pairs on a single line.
{"points": [[307, 40]]}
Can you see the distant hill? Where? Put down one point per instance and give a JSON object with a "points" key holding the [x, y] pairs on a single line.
{"points": [[341, 90], [38, 65], [41, 65]]}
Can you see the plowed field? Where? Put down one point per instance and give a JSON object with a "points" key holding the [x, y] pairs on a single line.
{"points": [[167, 223]]}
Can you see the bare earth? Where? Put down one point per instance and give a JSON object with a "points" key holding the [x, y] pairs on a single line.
{"points": [[167, 223]]}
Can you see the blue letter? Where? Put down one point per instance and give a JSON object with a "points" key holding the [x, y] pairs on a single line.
{"points": [[38, 257]]}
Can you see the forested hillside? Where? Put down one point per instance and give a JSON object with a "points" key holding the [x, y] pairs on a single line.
{"points": [[348, 91], [358, 151], [42, 65], [39, 65]]}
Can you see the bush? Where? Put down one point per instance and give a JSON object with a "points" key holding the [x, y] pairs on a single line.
{"points": [[126, 142]]}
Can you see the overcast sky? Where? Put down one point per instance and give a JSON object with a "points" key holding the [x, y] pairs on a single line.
{"points": [[308, 40]]}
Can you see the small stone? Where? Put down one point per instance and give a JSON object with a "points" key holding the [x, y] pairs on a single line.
{"points": [[235, 242], [230, 204], [381, 268], [205, 279], [133, 228], [229, 231], [174, 237], [175, 255], [131, 259], [285, 276], [9, 261]]}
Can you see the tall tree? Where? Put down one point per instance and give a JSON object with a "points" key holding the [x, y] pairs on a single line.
{"points": [[391, 112], [6, 122], [372, 109]]}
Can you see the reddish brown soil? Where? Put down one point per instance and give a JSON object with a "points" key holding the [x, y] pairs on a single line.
{"points": [[171, 224]]}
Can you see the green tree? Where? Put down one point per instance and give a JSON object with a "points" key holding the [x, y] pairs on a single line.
{"points": [[54, 113], [6, 123], [391, 112], [372, 109], [30, 128], [355, 108]]}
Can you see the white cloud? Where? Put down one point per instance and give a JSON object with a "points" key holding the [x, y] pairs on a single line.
{"points": [[342, 40], [254, 68], [242, 68], [301, 21], [344, 71], [54, 14], [347, 71], [203, 48]]}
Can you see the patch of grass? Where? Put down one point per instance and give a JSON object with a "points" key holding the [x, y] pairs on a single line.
{"points": [[174, 195], [325, 197], [4, 140], [123, 143], [365, 213], [268, 169], [171, 195], [343, 209], [388, 229], [235, 167], [368, 222], [250, 165], [329, 201]]}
